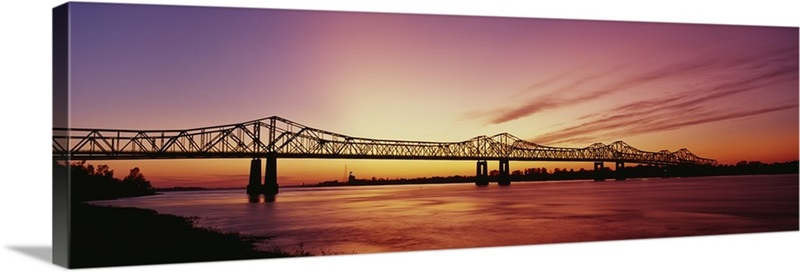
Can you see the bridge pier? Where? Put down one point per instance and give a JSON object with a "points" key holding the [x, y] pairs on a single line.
{"points": [[482, 173], [254, 187], [270, 186], [271, 176], [619, 173], [599, 171], [504, 179]]}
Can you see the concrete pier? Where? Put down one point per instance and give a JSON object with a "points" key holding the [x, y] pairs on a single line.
{"points": [[599, 171], [271, 176], [270, 185], [504, 179], [482, 173], [619, 173], [254, 187]]}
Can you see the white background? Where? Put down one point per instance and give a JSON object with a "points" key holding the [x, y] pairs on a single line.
{"points": [[25, 101]]}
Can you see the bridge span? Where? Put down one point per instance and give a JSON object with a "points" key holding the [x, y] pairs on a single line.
{"points": [[274, 137]]}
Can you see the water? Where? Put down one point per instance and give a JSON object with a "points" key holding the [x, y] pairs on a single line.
{"points": [[335, 220]]}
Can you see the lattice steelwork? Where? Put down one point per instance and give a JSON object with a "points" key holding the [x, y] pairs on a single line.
{"points": [[287, 139]]}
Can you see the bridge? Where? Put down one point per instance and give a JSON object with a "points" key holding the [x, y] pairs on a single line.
{"points": [[275, 137]]}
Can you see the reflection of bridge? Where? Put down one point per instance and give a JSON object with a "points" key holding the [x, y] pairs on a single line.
{"points": [[275, 137]]}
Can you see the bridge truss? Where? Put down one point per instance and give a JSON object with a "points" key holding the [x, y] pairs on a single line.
{"points": [[282, 138]]}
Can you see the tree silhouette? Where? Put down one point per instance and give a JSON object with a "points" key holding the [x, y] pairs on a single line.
{"points": [[95, 183], [136, 180]]}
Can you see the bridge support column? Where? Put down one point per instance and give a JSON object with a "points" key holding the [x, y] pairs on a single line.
{"points": [[271, 176], [254, 187], [599, 171], [504, 179], [620, 170], [482, 173]]}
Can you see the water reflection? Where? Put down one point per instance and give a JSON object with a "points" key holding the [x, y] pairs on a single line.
{"points": [[261, 198], [414, 217], [254, 198]]}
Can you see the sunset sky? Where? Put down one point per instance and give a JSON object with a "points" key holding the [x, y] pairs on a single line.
{"points": [[724, 92]]}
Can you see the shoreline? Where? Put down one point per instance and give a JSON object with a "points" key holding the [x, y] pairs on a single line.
{"points": [[458, 180], [413, 182], [104, 236]]}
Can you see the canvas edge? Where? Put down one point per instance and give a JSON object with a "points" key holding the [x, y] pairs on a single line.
{"points": [[61, 206], [60, 76]]}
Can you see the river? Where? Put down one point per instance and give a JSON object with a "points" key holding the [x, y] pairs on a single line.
{"points": [[363, 219]]}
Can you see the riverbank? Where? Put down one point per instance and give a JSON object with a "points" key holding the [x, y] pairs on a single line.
{"points": [[114, 236]]}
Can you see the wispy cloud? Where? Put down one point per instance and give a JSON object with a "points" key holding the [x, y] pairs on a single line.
{"points": [[552, 99], [686, 108], [579, 91], [622, 127], [710, 88], [557, 98]]}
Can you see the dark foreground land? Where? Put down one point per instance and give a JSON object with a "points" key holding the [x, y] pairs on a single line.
{"points": [[112, 236]]}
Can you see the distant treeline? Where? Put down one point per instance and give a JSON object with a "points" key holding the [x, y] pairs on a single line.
{"points": [[426, 180], [180, 189], [755, 168], [88, 182], [638, 171]]}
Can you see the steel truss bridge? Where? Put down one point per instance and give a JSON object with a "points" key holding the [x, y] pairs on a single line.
{"points": [[275, 137]]}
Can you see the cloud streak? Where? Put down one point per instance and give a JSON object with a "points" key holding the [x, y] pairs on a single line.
{"points": [[566, 96], [687, 108], [555, 98]]}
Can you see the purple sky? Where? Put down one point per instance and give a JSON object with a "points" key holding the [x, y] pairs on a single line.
{"points": [[725, 92]]}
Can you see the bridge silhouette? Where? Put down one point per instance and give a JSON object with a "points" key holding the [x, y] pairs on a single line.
{"points": [[275, 137]]}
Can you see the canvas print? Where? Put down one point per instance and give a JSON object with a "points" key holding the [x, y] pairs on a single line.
{"points": [[187, 134]]}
